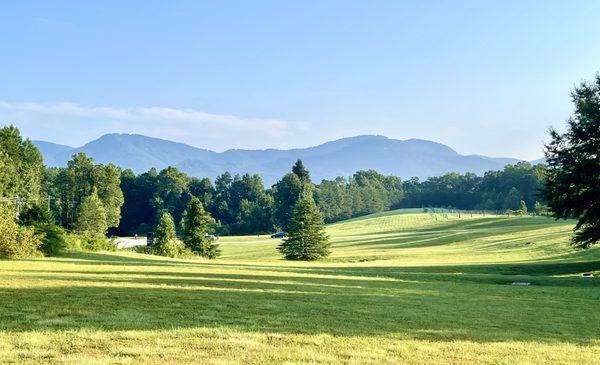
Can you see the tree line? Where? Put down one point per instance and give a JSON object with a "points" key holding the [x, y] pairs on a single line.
{"points": [[88, 197], [504, 190], [39, 205]]}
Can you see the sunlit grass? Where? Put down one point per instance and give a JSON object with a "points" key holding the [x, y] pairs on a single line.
{"points": [[402, 288]]}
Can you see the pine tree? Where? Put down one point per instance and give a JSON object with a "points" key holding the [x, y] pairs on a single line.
{"points": [[573, 180], [301, 172], [306, 235], [522, 207], [165, 238], [91, 216], [195, 228]]}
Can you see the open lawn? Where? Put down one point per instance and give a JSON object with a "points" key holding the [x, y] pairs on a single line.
{"points": [[407, 288]]}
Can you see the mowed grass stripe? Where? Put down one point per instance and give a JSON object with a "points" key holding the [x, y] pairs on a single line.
{"points": [[411, 289]]}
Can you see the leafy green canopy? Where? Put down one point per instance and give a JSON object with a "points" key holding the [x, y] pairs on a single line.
{"points": [[21, 166], [306, 235], [71, 185], [196, 225], [91, 216], [16, 241], [573, 185]]}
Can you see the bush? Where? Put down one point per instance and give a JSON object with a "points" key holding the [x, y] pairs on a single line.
{"points": [[36, 213], [90, 242], [176, 250], [54, 241], [16, 241], [73, 242], [97, 243]]}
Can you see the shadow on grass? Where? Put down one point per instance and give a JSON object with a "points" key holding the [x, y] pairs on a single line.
{"points": [[432, 303]]}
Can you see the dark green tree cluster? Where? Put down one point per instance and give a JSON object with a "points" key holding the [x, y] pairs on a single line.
{"points": [[81, 182], [239, 204], [242, 205], [21, 168], [573, 185], [22, 198], [495, 191], [364, 193]]}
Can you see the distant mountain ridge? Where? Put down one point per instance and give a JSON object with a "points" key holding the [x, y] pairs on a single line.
{"points": [[342, 157]]}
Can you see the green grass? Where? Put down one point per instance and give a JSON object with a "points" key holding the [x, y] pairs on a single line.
{"points": [[408, 288]]}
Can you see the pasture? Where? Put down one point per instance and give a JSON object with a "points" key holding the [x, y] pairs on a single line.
{"points": [[400, 287]]}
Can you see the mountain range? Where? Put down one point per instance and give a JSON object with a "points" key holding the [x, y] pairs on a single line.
{"points": [[343, 157]]}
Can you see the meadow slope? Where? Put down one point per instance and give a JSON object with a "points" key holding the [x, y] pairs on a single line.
{"points": [[401, 287]]}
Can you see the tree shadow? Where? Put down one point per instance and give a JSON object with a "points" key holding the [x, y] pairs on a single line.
{"points": [[437, 303]]}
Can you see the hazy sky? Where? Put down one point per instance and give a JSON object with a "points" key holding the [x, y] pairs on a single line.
{"points": [[483, 77]]}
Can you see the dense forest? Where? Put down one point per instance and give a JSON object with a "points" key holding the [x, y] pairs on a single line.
{"points": [[132, 204], [242, 204]]}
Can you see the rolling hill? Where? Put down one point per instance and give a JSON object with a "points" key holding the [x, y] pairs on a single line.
{"points": [[402, 287], [343, 157]]}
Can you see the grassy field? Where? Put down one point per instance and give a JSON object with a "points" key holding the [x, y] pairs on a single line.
{"points": [[402, 287]]}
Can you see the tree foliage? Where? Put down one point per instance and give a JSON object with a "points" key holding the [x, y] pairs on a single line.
{"points": [[21, 166], [196, 226], [165, 237], [306, 238], [573, 185], [16, 241], [286, 193], [71, 185], [91, 216]]}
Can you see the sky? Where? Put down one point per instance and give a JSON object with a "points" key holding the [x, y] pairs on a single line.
{"points": [[484, 77]]}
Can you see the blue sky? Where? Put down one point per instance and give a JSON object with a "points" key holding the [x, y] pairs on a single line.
{"points": [[484, 77]]}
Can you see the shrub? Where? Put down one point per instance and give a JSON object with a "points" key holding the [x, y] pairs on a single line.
{"points": [[177, 250], [73, 242], [93, 242], [36, 213], [16, 241], [89, 242], [54, 241]]}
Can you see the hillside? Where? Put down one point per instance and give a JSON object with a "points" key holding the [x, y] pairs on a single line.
{"points": [[404, 158], [400, 287]]}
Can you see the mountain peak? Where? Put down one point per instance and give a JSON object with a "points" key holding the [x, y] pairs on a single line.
{"points": [[342, 157]]}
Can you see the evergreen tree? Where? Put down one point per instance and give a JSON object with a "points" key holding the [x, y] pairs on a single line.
{"points": [[301, 172], [195, 229], [286, 193], [573, 180], [522, 207], [165, 238], [306, 235], [91, 216]]}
